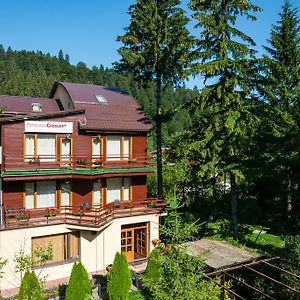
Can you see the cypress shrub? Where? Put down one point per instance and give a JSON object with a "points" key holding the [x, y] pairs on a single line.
{"points": [[79, 286], [119, 279], [30, 288], [153, 271]]}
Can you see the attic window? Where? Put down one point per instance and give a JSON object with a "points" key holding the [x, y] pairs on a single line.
{"points": [[36, 107], [101, 99]]}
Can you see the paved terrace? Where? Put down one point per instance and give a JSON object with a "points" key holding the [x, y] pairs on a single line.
{"points": [[218, 254]]}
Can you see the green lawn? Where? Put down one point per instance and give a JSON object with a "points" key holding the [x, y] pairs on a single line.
{"points": [[265, 242]]}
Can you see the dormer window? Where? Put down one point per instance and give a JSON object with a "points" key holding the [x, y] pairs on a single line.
{"points": [[36, 107], [101, 99]]}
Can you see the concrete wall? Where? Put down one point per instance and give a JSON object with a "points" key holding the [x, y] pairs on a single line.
{"points": [[97, 248]]}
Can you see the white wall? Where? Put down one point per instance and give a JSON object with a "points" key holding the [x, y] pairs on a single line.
{"points": [[97, 248]]}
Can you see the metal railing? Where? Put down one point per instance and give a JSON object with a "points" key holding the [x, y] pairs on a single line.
{"points": [[93, 217], [11, 163]]}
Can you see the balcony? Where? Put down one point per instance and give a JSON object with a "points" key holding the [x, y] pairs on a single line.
{"points": [[81, 217], [43, 162]]}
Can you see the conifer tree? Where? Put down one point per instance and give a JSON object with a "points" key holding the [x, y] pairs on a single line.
{"points": [[30, 288], [79, 286], [225, 61], [119, 279], [282, 68], [156, 47], [280, 88]]}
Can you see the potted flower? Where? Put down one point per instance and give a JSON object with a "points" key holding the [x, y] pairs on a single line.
{"points": [[50, 212], [152, 204], [81, 162], [108, 211], [132, 160], [78, 212], [34, 161], [24, 215], [128, 205], [97, 162]]}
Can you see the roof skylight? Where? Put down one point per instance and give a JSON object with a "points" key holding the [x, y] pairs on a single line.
{"points": [[101, 99]]}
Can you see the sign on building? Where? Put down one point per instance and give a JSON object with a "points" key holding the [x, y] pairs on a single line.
{"points": [[48, 127]]}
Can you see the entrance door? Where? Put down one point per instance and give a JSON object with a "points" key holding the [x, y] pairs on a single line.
{"points": [[127, 243], [140, 244]]}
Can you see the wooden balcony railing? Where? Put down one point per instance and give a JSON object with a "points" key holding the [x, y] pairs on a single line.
{"points": [[94, 217], [11, 163]]}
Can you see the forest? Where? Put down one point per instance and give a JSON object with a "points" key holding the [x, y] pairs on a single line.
{"points": [[230, 150]]}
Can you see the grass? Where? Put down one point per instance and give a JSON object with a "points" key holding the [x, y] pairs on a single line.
{"points": [[266, 243]]}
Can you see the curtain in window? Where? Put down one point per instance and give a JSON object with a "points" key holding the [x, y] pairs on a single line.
{"points": [[126, 145], [74, 244], [46, 194], [114, 189], [66, 150], [58, 243], [96, 148], [29, 146], [113, 145], [29, 195], [46, 147], [65, 194], [97, 194], [126, 189]]}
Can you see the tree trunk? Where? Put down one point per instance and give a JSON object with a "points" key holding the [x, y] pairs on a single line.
{"points": [[234, 207], [158, 138], [289, 194]]}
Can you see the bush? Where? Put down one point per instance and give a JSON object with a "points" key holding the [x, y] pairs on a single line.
{"points": [[79, 286], [30, 288], [119, 279]]}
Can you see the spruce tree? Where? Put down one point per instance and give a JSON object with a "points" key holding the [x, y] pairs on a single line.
{"points": [[156, 47], [224, 122], [282, 66], [280, 88], [119, 279]]}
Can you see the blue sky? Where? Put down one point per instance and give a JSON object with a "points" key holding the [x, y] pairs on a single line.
{"points": [[87, 30]]}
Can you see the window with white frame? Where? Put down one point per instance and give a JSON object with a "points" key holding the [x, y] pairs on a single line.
{"points": [[40, 146], [118, 147]]}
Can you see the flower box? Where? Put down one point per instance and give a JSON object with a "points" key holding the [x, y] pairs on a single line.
{"points": [[78, 212], [24, 215], [50, 212]]}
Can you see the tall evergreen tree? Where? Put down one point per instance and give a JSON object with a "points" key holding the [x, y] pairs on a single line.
{"points": [[280, 88], [282, 67], [156, 47], [226, 61]]}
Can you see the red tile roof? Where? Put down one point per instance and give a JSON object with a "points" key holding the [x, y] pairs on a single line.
{"points": [[23, 105], [120, 113]]}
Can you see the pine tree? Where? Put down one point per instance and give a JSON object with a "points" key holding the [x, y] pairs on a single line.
{"points": [[79, 286], [119, 279], [226, 62], [156, 48]]}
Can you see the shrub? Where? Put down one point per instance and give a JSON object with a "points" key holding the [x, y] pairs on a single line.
{"points": [[79, 286], [119, 279], [30, 288]]}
